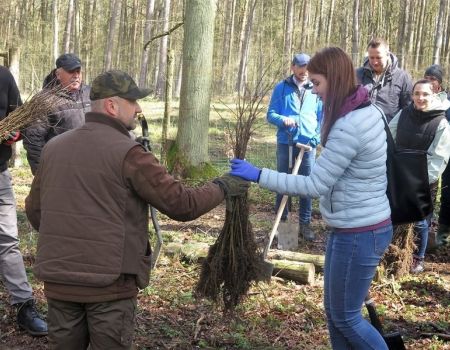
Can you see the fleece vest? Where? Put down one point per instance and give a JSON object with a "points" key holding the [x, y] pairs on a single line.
{"points": [[416, 133], [88, 236]]}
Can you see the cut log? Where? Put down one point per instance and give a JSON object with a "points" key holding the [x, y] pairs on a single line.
{"points": [[193, 251], [317, 260], [196, 251], [294, 270]]}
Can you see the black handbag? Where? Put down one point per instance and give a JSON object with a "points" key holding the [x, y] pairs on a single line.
{"points": [[408, 188]]}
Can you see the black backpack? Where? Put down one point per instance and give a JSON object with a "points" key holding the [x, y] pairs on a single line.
{"points": [[408, 188]]}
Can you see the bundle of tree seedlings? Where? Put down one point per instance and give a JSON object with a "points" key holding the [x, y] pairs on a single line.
{"points": [[398, 258], [34, 110], [234, 261]]}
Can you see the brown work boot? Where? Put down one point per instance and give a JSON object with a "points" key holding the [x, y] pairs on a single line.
{"points": [[306, 232]]}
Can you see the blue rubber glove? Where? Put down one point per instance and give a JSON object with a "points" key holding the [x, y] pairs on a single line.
{"points": [[245, 170]]}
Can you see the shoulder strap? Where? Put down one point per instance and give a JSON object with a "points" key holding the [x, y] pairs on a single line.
{"points": [[389, 138]]}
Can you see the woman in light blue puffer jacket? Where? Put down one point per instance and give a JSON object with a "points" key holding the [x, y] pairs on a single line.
{"points": [[350, 179]]}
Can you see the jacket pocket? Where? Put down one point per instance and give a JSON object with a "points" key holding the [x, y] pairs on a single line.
{"points": [[145, 264]]}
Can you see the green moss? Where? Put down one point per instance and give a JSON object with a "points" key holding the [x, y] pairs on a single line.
{"points": [[179, 165]]}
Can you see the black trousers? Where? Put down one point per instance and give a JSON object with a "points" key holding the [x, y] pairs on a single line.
{"points": [[444, 213]]}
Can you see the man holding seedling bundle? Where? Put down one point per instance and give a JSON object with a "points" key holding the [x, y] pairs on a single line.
{"points": [[12, 269]]}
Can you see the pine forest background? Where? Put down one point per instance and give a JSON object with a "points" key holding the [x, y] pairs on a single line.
{"points": [[250, 36]]}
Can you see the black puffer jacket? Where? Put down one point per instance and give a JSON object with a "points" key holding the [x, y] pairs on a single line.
{"points": [[393, 90], [68, 116], [9, 100]]}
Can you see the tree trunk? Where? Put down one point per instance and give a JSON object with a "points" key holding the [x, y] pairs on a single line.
{"points": [[147, 33], [167, 104], [227, 48], [55, 30], [355, 35], [160, 83], [439, 28], [195, 86], [419, 35], [68, 30], [289, 27], [330, 21], [242, 74], [114, 11]]}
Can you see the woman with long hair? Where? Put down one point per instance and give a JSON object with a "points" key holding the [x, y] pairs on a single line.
{"points": [[350, 179]]}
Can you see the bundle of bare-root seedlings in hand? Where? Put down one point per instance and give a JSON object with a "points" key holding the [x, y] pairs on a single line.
{"points": [[34, 110], [234, 261]]}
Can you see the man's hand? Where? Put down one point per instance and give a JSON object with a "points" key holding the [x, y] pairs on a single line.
{"points": [[289, 122], [232, 186]]}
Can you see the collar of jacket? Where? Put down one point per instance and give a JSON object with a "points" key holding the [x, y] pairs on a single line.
{"points": [[290, 80], [92, 117]]}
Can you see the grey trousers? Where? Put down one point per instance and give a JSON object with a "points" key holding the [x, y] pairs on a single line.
{"points": [[94, 326], [12, 269]]}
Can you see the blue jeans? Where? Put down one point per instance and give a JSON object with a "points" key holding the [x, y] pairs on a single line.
{"points": [[421, 229], [350, 263], [308, 161]]}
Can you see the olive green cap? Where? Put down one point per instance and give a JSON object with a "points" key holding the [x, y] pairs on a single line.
{"points": [[116, 83]]}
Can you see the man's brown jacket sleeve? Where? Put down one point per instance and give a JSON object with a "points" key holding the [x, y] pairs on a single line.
{"points": [[155, 185]]}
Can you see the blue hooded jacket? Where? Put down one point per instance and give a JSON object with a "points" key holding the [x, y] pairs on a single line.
{"points": [[285, 102]]}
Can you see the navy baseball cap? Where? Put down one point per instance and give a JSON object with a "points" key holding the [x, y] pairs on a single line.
{"points": [[68, 62], [301, 59]]}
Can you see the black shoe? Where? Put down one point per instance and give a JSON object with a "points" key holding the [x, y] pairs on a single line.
{"points": [[29, 319]]}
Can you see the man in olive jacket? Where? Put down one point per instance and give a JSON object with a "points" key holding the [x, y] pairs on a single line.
{"points": [[89, 202]]}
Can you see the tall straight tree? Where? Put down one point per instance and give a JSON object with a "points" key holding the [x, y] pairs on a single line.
{"points": [[439, 32], [288, 33], [242, 74], [196, 83], [355, 35], [147, 32], [69, 26], [114, 11], [55, 30], [160, 83]]}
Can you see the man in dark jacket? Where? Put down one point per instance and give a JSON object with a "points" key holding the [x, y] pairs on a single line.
{"points": [[389, 86], [69, 116], [12, 269], [89, 201]]}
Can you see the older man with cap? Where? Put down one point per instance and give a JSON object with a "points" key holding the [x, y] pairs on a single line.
{"points": [[70, 115], [296, 112], [435, 74], [89, 201]]}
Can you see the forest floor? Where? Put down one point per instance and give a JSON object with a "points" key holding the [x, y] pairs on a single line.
{"points": [[277, 315]]}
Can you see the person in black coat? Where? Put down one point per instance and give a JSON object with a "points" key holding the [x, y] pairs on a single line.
{"points": [[12, 270], [69, 116]]}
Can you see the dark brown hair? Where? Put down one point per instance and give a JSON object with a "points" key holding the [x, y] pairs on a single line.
{"points": [[421, 81], [337, 68]]}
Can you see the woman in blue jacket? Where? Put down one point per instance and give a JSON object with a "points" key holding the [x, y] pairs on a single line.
{"points": [[350, 179]]}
